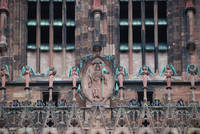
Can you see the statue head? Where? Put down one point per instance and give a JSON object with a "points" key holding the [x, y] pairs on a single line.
{"points": [[3, 68], [120, 68], [168, 67], [192, 66], [144, 68], [51, 68], [27, 68], [74, 68]]}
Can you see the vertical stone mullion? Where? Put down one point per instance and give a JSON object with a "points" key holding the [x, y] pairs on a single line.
{"points": [[130, 37], [63, 35], [51, 34], [143, 31], [38, 40], [156, 34]]}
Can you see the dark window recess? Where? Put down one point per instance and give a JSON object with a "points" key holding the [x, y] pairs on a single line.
{"points": [[31, 35], [71, 35], [45, 97], [71, 10], [123, 10], [44, 35], [31, 10], [123, 34], [44, 10], [137, 34], [57, 35], [57, 10], [136, 10], [149, 9], [55, 97], [149, 34], [162, 9], [162, 34], [141, 97]]}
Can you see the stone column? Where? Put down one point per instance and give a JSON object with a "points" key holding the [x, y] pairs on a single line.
{"points": [[51, 40], [3, 94], [143, 32], [156, 34], [50, 94], [169, 94], [38, 31], [145, 95], [74, 93], [190, 11], [130, 36], [3, 24], [121, 92], [27, 94]]}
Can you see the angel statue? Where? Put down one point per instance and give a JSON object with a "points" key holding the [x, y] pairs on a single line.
{"points": [[145, 71], [27, 71], [121, 73], [168, 71], [74, 73], [51, 72], [4, 75], [193, 71]]}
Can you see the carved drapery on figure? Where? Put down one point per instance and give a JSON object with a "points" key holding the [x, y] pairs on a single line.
{"points": [[51, 73], [4, 75], [97, 80], [168, 71], [74, 73], [191, 73], [144, 71], [26, 72]]}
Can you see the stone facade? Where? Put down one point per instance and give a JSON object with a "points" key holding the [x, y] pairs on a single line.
{"points": [[63, 109]]}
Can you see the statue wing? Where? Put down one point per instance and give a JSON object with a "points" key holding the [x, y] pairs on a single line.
{"points": [[31, 69], [78, 71], [104, 70], [70, 72], [197, 69], [116, 72], [163, 70], [23, 70], [47, 73], [140, 72], [188, 69], [149, 70], [6, 66], [173, 69], [116, 87], [125, 72], [79, 87]]}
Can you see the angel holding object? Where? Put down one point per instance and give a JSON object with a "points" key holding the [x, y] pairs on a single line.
{"points": [[4, 74], [26, 72], [192, 71], [121, 73], [51, 72], [168, 71], [74, 73], [145, 71]]}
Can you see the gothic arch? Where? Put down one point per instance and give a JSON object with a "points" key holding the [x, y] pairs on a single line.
{"points": [[49, 130], [4, 131], [98, 131], [73, 130], [170, 131], [25, 130], [145, 131], [122, 130]]}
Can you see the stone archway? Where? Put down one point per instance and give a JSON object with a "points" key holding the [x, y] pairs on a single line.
{"points": [[145, 131], [170, 131], [49, 131], [4, 131], [25, 131], [74, 130], [122, 130], [98, 131]]}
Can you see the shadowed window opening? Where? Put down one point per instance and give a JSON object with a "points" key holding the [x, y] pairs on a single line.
{"points": [[149, 9], [45, 35], [162, 9], [71, 35], [57, 35], [149, 34], [31, 10], [124, 34], [57, 10], [124, 10], [136, 10], [162, 34], [71, 10], [45, 10], [31, 35], [141, 97], [137, 34]]}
